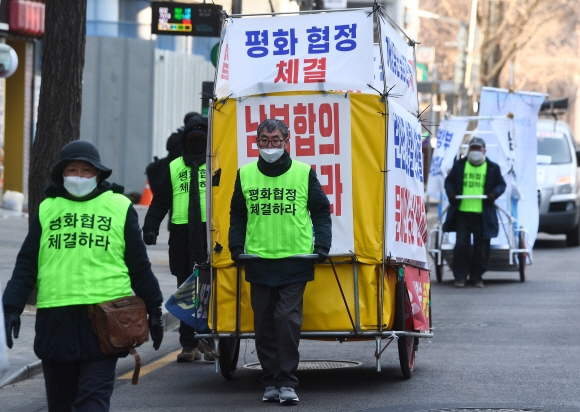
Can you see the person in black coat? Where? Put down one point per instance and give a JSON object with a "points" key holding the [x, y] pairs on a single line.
{"points": [[475, 217], [277, 284], [78, 376], [155, 169], [187, 234]]}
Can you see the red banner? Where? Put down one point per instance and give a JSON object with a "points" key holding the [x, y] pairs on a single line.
{"points": [[418, 286]]}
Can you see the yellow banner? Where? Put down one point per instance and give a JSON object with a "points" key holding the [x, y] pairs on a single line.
{"points": [[324, 307], [368, 173]]}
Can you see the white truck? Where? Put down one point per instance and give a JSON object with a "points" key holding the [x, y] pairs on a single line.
{"points": [[558, 176]]}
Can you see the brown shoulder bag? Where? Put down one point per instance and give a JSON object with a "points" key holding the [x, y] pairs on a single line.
{"points": [[121, 325]]}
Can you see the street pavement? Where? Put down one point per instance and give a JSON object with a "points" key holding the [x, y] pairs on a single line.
{"points": [[23, 362], [509, 347]]}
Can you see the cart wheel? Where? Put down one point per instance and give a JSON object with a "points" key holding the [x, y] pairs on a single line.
{"points": [[228, 359], [404, 322], [439, 272], [438, 268], [522, 257]]}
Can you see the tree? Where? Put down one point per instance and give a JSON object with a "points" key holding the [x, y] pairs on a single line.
{"points": [[59, 110], [539, 36]]}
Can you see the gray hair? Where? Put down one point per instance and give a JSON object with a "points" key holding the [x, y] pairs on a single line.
{"points": [[273, 124]]}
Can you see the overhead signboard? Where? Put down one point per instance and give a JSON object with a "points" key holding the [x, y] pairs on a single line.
{"points": [[186, 19]]}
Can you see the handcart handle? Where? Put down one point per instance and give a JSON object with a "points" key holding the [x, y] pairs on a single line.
{"points": [[251, 257], [471, 197]]}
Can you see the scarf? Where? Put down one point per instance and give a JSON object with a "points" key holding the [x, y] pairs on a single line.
{"points": [[197, 246]]}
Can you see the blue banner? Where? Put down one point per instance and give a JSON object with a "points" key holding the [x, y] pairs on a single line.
{"points": [[190, 302]]}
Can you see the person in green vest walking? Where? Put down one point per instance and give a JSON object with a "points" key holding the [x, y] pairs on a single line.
{"points": [[473, 175], [276, 206], [84, 247], [182, 189]]}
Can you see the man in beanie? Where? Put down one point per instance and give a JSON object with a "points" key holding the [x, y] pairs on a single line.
{"points": [[183, 191], [473, 175], [84, 247]]}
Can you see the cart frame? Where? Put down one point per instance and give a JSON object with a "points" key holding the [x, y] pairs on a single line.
{"points": [[516, 235], [227, 344]]}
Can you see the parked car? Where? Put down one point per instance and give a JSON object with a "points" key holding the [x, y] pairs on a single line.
{"points": [[558, 180]]}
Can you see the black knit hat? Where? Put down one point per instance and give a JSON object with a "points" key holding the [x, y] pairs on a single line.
{"points": [[196, 124], [79, 150]]}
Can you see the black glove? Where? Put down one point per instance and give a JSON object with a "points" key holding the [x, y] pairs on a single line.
{"points": [[11, 323], [453, 198], [236, 254], [322, 253], [150, 238], [490, 198], [156, 327]]}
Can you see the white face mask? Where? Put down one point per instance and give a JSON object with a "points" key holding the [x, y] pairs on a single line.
{"points": [[476, 158], [79, 186], [270, 155]]}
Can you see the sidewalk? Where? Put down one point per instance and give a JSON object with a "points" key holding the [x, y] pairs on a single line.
{"points": [[23, 361]]}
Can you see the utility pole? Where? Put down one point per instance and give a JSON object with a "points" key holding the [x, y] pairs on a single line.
{"points": [[306, 4], [236, 6], [469, 60]]}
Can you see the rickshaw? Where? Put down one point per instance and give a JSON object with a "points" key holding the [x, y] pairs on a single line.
{"points": [[369, 289], [509, 251], [511, 256]]}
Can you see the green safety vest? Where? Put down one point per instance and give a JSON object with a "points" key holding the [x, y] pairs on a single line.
{"points": [[81, 259], [473, 184], [180, 178], [279, 224]]}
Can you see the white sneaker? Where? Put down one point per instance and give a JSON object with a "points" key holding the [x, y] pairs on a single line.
{"points": [[288, 395], [271, 394]]}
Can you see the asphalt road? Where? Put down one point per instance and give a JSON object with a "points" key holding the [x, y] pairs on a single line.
{"points": [[510, 346]]}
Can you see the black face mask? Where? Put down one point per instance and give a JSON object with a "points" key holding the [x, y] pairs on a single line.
{"points": [[196, 145]]}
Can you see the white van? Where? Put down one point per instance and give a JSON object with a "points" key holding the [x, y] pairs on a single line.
{"points": [[558, 180]]}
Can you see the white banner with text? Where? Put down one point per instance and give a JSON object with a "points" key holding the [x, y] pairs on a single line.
{"points": [[406, 223], [319, 135]]}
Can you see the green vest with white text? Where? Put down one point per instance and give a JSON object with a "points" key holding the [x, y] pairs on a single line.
{"points": [[473, 184], [81, 259], [279, 224], [180, 181]]}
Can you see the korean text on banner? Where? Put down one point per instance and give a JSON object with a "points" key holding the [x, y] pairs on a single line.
{"points": [[327, 51], [399, 68], [449, 137], [319, 135], [222, 85], [406, 223]]}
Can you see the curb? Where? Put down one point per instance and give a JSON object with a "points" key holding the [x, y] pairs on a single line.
{"points": [[23, 373], [35, 368]]}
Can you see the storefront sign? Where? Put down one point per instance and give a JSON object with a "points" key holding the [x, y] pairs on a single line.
{"points": [[202, 20]]}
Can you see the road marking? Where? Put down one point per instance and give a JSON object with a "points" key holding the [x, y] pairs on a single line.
{"points": [[153, 366]]}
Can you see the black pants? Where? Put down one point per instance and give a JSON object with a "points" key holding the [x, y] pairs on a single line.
{"points": [[470, 259], [83, 386], [277, 325]]}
